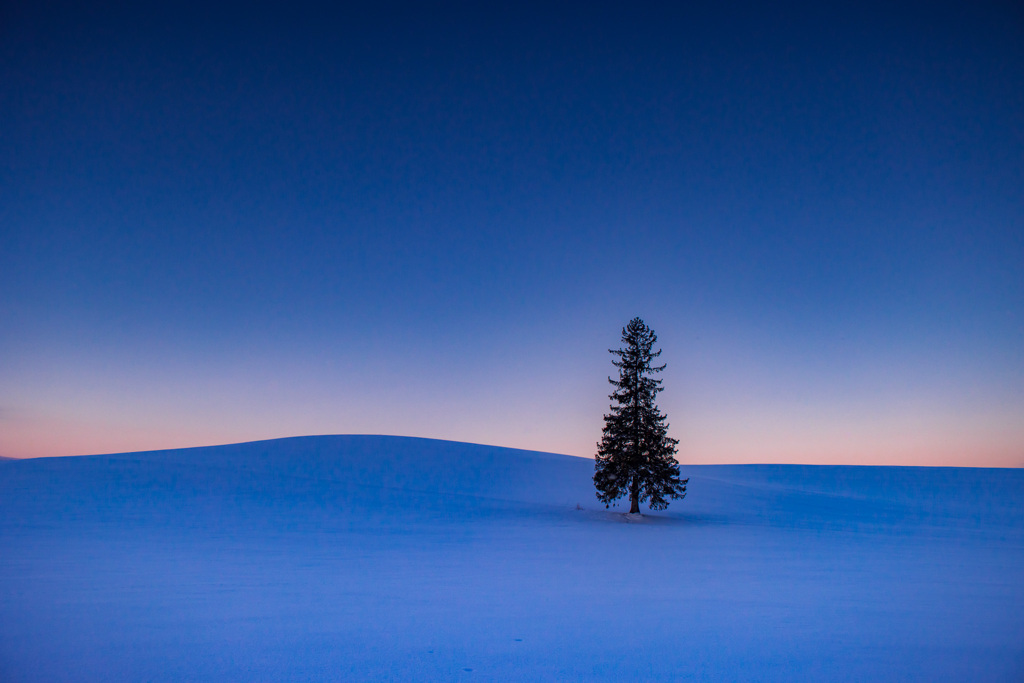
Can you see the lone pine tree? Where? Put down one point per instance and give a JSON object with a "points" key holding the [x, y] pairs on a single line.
{"points": [[635, 455]]}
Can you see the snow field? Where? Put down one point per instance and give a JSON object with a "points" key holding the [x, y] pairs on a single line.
{"points": [[388, 558]]}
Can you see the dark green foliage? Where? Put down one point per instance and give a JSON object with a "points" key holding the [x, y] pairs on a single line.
{"points": [[635, 456]]}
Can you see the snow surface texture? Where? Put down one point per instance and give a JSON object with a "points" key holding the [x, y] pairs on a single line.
{"points": [[387, 558]]}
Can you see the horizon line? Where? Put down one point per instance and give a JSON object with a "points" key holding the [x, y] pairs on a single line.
{"points": [[10, 458]]}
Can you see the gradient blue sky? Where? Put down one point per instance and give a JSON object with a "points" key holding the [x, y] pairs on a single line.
{"points": [[243, 221]]}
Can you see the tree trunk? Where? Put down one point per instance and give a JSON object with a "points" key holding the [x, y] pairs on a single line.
{"points": [[634, 500]]}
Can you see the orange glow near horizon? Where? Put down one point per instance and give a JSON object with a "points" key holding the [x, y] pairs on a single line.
{"points": [[981, 443]]}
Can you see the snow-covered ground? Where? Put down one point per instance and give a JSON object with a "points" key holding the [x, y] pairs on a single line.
{"points": [[386, 558]]}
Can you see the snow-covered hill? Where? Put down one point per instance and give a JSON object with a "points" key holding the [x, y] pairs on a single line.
{"points": [[388, 558]]}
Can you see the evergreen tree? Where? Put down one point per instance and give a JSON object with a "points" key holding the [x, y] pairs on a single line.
{"points": [[635, 454]]}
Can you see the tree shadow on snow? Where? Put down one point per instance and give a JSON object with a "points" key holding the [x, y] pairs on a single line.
{"points": [[611, 516]]}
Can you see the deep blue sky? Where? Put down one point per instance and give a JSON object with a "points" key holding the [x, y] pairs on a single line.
{"points": [[239, 222]]}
